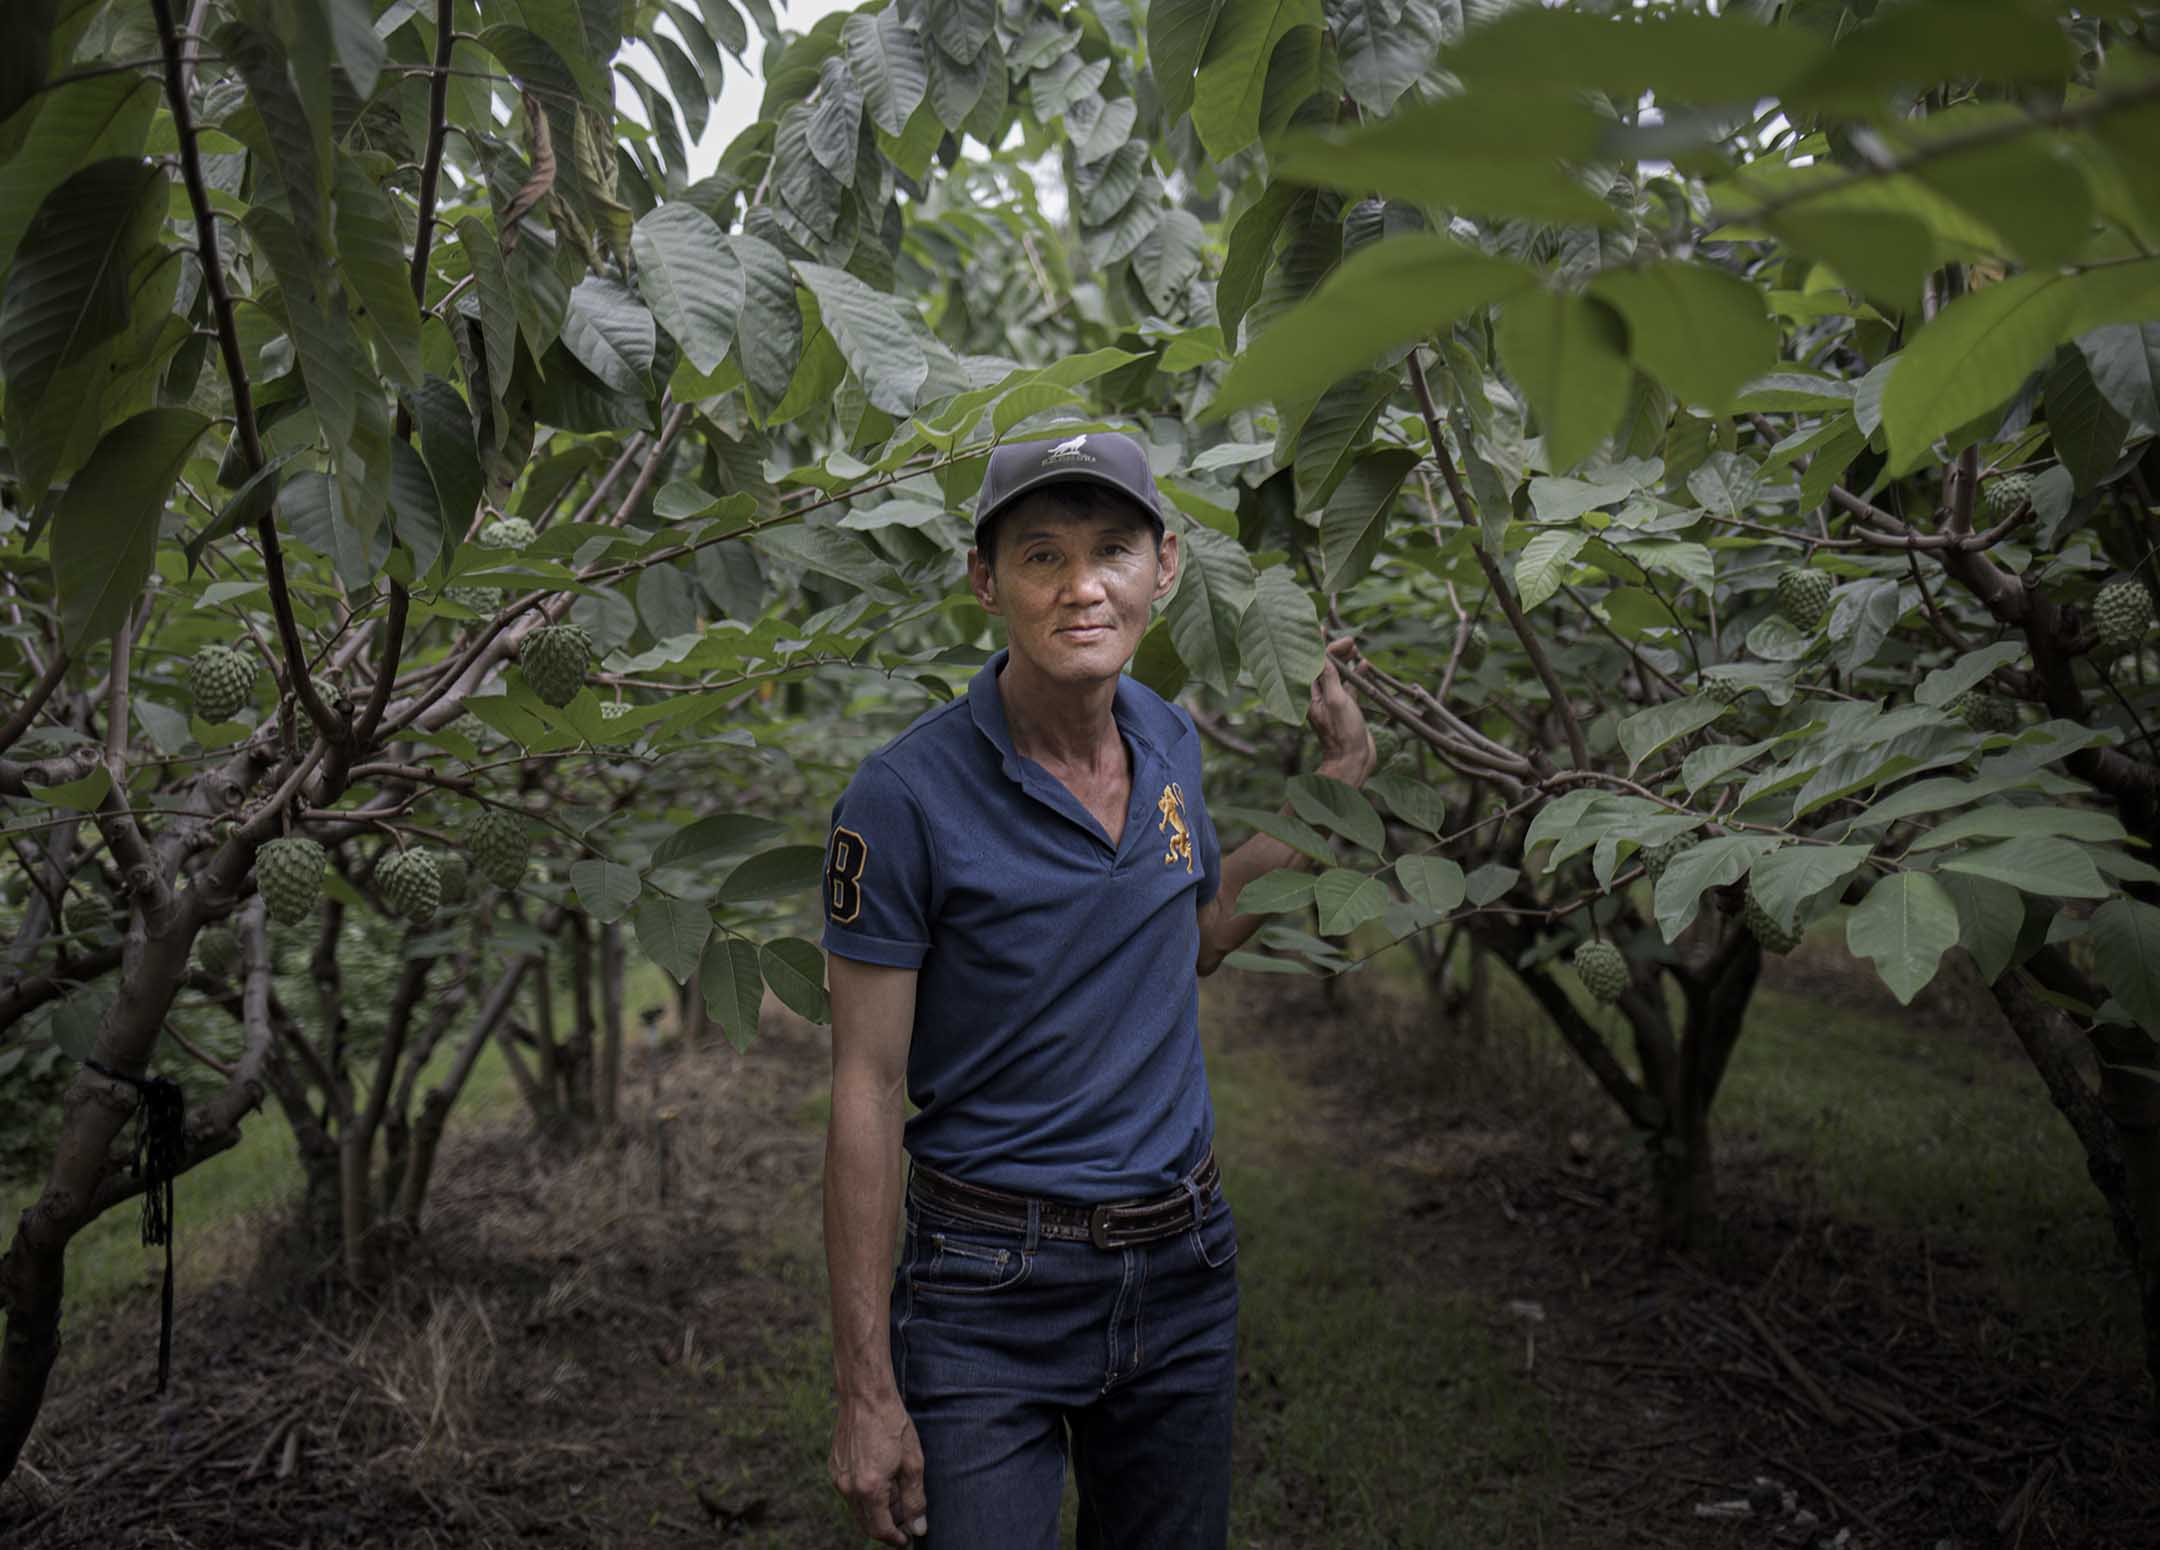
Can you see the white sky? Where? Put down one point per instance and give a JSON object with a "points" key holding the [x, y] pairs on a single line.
{"points": [[736, 109]]}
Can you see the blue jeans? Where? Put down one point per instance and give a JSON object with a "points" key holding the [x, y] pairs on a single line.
{"points": [[1008, 1346]]}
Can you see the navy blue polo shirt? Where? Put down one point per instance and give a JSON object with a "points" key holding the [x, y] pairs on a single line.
{"points": [[1056, 1046]]}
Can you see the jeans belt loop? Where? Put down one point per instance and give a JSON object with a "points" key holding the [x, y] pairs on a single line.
{"points": [[1199, 1207], [1034, 1226]]}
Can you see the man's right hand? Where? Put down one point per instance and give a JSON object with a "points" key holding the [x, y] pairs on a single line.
{"points": [[877, 1464]]}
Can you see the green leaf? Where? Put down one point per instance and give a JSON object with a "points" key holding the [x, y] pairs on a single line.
{"points": [[673, 933], [1697, 329], [1917, 44], [83, 124], [1381, 298], [877, 345], [1234, 65], [1414, 802], [961, 27], [795, 970], [65, 302], [1384, 48], [371, 255], [770, 340], [1681, 57], [2086, 432], [1880, 254], [1434, 881], [733, 987], [1544, 563], [775, 874], [105, 532], [608, 329], [1347, 900], [688, 275], [1990, 916], [446, 444], [1279, 643], [77, 796], [1275, 893], [1215, 583], [2036, 863], [1980, 348], [1336, 427], [2000, 821], [1356, 518], [2125, 363], [1480, 156], [1490, 882], [1168, 258], [1905, 924], [1177, 36], [498, 312], [1645, 732], [2126, 940], [1569, 353], [416, 514], [607, 889], [1947, 683], [1250, 247], [1710, 864], [2030, 192], [1337, 805], [1299, 835], [1785, 879], [887, 60], [721, 834]]}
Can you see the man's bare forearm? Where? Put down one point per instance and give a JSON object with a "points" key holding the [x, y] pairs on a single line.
{"points": [[862, 1200]]}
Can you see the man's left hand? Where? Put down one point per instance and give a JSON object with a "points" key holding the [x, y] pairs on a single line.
{"points": [[1346, 744]]}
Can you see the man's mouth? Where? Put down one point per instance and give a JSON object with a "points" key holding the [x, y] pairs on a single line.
{"points": [[1086, 632]]}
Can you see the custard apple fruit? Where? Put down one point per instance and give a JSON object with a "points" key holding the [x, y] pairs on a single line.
{"points": [[456, 877], [218, 950], [221, 679], [554, 658], [1774, 937], [1726, 691], [1803, 596], [614, 710], [1474, 649], [1602, 970], [2007, 496], [289, 873], [481, 600], [2123, 612], [499, 846], [410, 882], [507, 533], [1656, 858], [1985, 712]]}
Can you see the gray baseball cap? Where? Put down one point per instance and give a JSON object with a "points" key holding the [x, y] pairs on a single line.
{"points": [[1109, 458]]}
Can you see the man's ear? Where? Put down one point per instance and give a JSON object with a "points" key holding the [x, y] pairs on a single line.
{"points": [[1167, 563], [982, 581]]}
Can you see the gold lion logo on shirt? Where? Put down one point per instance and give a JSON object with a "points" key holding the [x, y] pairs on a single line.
{"points": [[1171, 804]]}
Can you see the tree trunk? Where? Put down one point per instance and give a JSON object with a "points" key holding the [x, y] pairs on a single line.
{"points": [[608, 1098], [2118, 1127]]}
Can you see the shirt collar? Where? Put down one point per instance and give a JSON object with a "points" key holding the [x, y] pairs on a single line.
{"points": [[987, 706]]}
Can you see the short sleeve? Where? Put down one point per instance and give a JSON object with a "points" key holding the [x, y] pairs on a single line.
{"points": [[1207, 848], [878, 872]]}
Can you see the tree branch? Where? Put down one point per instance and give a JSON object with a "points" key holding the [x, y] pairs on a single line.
{"points": [[26, 714], [1578, 747]]}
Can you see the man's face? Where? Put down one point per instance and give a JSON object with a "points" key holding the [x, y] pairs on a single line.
{"points": [[1074, 590]]}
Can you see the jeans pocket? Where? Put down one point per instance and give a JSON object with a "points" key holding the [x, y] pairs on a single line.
{"points": [[1215, 1241], [954, 1258]]}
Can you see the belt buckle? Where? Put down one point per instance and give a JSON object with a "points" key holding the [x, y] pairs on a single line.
{"points": [[1099, 1227]]}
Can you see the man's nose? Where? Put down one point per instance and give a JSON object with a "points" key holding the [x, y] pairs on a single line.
{"points": [[1088, 582]]}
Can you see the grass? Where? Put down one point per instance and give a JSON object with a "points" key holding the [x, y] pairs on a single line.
{"points": [[224, 1204], [1898, 1125]]}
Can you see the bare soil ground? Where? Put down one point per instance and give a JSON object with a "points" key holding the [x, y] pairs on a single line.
{"points": [[579, 1354]]}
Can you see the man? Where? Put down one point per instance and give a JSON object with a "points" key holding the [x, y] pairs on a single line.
{"points": [[1021, 890]]}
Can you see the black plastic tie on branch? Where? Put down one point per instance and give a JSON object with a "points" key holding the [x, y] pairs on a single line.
{"points": [[160, 1149]]}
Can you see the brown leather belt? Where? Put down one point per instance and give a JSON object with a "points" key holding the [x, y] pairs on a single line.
{"points": [[1114, 1225]]}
